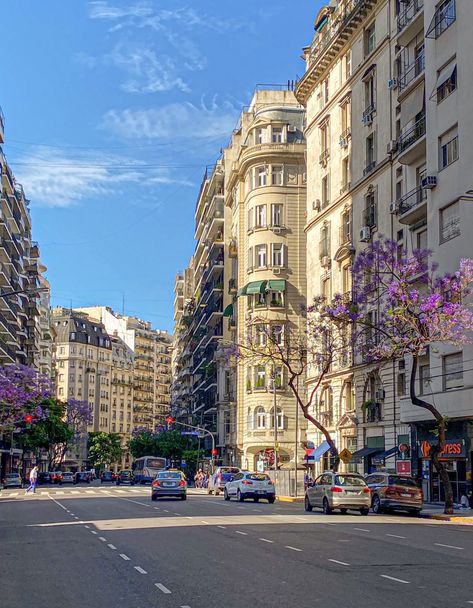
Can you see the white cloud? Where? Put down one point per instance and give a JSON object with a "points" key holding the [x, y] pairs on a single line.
{"points": [[53, 178], [174, 121]]}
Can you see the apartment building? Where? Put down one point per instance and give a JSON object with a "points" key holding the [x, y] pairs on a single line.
{"points": [[46, 329], [121, 395], [265, 194], [384, 113]]}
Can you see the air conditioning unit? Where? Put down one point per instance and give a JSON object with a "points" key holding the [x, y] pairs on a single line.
{"points": [[365, 234], [392, 84], [392, 147], [277, 229], [316, 205], [276, 270], [367, 119], [380, 394], [394, 207], [325, 261], [291, 129], [429, 182]]}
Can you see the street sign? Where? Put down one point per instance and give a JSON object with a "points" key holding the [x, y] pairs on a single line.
{"points": [[193, 433], [345, 456], [403, 467]]}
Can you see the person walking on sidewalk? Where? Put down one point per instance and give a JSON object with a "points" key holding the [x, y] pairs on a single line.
{"points": [[33, 479]]}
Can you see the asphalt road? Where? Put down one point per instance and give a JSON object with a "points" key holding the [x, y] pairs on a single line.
{"points": [[109, 547]]}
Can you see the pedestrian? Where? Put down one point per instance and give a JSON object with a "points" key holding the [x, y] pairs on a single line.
{"points": [[33, 479]]}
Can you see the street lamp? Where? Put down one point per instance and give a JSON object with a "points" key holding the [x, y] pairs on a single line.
{"points": [[202, 430], [28, 292]]}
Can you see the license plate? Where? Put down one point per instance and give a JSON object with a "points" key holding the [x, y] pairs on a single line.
{"points": [[351, 491], [168, 484], [406, 495]]}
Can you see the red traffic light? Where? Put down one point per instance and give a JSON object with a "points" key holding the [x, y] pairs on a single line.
{"points": [[214, 452], [170, 419], [28, 419]]}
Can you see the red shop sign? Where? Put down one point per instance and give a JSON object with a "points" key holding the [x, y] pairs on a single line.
{"points": [[403, 467]]}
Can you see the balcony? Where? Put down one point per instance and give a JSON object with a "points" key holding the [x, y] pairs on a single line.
{"points": [[369, 168], [412, 72], [232, 286], [444, 16], [409, 21], [367, 117], [344, 235], [411, 144], [324, 156], [232, 249], [345, 188], [412, 206], [345, 137]]}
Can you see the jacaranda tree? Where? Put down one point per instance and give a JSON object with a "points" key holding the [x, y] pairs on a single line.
{"points": [[416, 308]]}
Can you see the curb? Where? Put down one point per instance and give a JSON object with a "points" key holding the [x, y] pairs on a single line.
{"points": [[289, 499], [454, 518]]}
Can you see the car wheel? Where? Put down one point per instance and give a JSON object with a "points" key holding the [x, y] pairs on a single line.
{"points": [[414, 512], [217, 492], [271, 499], [364, 510], [225, 495], [209, 491], [184, 497], [307, 505], [326, 507], [154, 497], [343, 511], [376, 505], [240, 496], [256, 499]]}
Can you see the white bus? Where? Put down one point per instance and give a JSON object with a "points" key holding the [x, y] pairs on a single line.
{"points": [[146, 467]]}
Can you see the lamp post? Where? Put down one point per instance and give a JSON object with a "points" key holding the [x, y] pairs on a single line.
{"points": [[201, 430]]}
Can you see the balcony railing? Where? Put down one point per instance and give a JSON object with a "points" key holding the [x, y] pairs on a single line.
{"points": [[408, 13], [369, 168], [344, 235], [444, 16], [324, 156], [368, 113], [415, 69], [412, 199], [345, 187], [412, 134]]}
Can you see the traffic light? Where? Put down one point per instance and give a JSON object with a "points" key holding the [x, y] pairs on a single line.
{"points": [[170, 420], [28, 420], [214, 452]]}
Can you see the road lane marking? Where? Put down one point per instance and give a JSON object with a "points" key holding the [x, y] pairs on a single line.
{"points": [[162, 588], [331, 524], [143, 504], [222, 527], [185, 607], [88, 527], [257, 510], [343, 540], [125, 557], [75, 492], [336, 561], [112, 547], [397, 580], [90, 491], [165, 510], [57, 493], [362, 529], [292, 548], [104, 540], [93, 532], [449, 546], [242, 533], [203, 521], [266, 540], [75, 517], [395, 536], [177, 514], [140, 570]]}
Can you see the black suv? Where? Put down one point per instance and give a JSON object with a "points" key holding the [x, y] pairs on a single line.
{"points": [[125, 477]]}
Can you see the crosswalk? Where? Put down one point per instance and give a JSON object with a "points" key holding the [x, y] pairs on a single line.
{"points": [[64, 493]]}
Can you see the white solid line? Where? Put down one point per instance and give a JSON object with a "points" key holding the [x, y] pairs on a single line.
{"points": [[112, 547], [140, 570], [331, 524], [104, 540], [397, 580], [265, 540], [362, 529], [242, 533], [449, 546], [189, 517], [222, 527], [162, 588], [343, 540], [336, 561], [93, 532], [125, 557], [292, 548], [395, 536]]}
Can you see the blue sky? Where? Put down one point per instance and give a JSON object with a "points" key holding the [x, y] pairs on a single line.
{"points": [[113, 109]]}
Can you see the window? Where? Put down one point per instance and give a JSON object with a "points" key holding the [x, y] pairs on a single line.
{"points": [[276, 136], [421, 239], [260, 418], [276, 214], [371, 214], [61, 363], [276, 300], [61, 391], [260, 216], [346, 279], [72, 335], [446, 82], [448, 144], [250, 220], [278, 254], [450, 222], [326, 289], [260, 255], [347, 64], [370, 39], [260, 377], [62, 350], [277, 175], [452, 371], [443, 18], [324, 242], [261, 174], [277, 334], [345, 174], [324, 142], [61, 377], [370, 94], [261, 337], [259, 136], [279, 419], [424, 379], [370, 151], [325, 190], [250, 258], [326, 89], [345, 118], [345, 227], [260, 300]]}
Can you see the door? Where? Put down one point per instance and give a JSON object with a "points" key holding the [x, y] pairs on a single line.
{"points": [[232, 486], [312, 491], [325, 485]]}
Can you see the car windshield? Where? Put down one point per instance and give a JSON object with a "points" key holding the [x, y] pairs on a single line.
{"points": [[168, 475], [349, 480], [258, 477], [229, 470], [396, 480], [155, 463], [125, 473], [12, 475]]}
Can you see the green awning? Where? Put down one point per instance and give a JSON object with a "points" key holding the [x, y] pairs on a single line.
{"points": [[242, 291], [228, 312], [279, 285], [256, 287]]}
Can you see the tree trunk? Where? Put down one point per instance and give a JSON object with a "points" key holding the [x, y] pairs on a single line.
{"points": [[435, 449]]}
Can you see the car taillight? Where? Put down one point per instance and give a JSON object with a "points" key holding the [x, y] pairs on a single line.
{"points": [[335, 489], [182, 483], [156, 483], [247, 483], [366, 491]]}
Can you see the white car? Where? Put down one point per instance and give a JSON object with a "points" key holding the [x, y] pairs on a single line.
{"points": [[250, 485]]}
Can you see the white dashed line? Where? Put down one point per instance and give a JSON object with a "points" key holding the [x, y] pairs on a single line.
{"points": [[104, 540], [162, 588], [292, 548], [87, 527], [140, 570], [178, 514], [75, 492], [395, 536], [93, 532], [222, 527], [257, 510], [449, 546], [242, 533], [185, 607], [343, 540], [165, 510], [336, 561], [396, 580], [112, 547], [75, 517], [265, 540], [362, 529], [125, 557]]}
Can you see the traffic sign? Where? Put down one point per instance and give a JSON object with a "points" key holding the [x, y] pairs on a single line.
{"points": [[193, 433], [345, 456]]}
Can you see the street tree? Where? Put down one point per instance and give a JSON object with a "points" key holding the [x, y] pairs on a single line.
{"points": [[169, 444], [416, 308], [104, 449]]}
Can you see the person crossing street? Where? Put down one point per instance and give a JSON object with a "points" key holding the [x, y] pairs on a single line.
{"points": [[33, 479]]}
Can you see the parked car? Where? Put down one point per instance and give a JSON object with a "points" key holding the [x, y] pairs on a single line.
{"points": [[107, 477], [56, 477], [125, 477], [390, 491], [220, 478], [67, 477], [44, 477], [169, 483], [12, 480], [82, 477], [250, 485], [338, 491]]}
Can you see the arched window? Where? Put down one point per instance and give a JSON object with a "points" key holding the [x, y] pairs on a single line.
{"points": [[280, 419], [260, 418]]}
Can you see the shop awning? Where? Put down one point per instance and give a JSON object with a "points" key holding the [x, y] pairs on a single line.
{"points": [[363, 453], [318, 452], [242, 291], [412, 105], [386, 454], [444, 75], [277, 285], [228, 312], [256, 287]]}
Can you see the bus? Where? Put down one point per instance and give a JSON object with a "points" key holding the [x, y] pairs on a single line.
{"points": [[146, 467]]}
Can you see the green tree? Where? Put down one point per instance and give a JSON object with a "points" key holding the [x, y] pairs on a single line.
{"points": [[168, 444], [104, 449]]}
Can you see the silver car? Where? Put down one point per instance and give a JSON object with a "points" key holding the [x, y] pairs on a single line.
{"points": [[169, 483], [338, 491], [12, 480]]}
